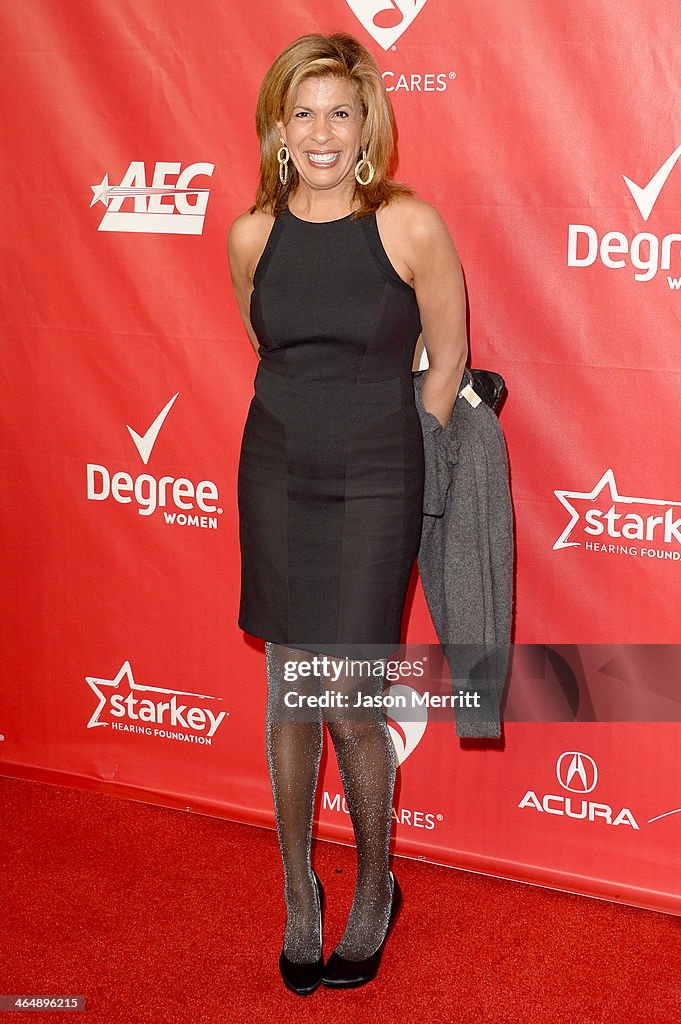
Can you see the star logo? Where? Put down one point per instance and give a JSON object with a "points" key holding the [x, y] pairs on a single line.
{"points": [[102, 192], [607, 483]]}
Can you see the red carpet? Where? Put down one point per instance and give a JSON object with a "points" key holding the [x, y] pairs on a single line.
{"points": [[163, 916]]}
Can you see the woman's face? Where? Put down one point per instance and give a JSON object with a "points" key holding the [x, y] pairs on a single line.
{"points": [[324, 132]]}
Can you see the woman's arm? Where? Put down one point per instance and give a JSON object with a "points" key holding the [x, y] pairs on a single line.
{"points": [[246, 240], [435, 271]]}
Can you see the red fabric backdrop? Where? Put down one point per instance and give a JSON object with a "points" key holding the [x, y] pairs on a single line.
{"points": [[547, 136]]}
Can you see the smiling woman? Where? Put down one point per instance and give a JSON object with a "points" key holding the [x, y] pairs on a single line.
{"points": [[360, 99], [324, 132], [337, 270]]}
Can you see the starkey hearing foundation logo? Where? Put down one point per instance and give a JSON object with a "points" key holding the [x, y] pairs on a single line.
{"points": [[386, 20], [182, 502], [603, 521], [176, 207], [127, 706], [645, 252]]}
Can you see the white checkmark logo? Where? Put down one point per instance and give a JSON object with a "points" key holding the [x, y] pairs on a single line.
{"points": [[645, 196], [145, 442]]}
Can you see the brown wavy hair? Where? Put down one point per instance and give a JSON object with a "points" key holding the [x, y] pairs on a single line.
{"points": [[315, 56]]}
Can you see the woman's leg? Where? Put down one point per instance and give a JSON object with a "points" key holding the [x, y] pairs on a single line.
{"points": [[367, 765], [294, 745]]}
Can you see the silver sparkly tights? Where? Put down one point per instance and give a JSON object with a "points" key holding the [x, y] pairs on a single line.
{"points": [[367, 766]]}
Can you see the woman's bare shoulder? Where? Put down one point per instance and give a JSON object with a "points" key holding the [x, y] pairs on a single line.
{"points": [[415, 235], [247, 236], [414, 216]]}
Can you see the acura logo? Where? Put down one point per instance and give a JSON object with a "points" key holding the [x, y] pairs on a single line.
{"points": [[576, 772]]}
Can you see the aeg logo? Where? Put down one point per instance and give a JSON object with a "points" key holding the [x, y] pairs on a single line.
{"points": [[610, 524], [386, 20], [162, 207], [646, 252], [577, 773], [150, 493]]}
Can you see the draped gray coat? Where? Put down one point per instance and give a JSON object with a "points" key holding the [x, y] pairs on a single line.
{"points": [[465, 559]]}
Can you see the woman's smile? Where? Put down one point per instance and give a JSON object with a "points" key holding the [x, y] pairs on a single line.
{"points": [[323, 158]]}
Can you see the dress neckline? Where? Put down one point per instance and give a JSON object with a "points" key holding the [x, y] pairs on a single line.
{"points": [[318, 223]]}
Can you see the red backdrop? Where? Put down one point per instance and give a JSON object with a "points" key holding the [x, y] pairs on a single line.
{"points": [[547, 136]]}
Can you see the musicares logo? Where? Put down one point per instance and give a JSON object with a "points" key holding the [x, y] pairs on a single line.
{"points": [[406, 736], [386, 20]]}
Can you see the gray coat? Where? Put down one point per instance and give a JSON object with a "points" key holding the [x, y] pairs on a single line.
{"points": [[465, 559]]}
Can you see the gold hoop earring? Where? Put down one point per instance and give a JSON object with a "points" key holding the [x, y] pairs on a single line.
{"points": [[283, 157], [364, 166]]}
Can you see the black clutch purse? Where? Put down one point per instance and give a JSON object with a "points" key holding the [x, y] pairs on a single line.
{"points": [[488, 385]]}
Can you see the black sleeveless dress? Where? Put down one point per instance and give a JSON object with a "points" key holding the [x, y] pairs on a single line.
{"points": [[330, 479]]}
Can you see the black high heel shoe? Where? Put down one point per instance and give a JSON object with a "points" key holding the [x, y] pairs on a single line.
{"points": [[303, 979], [342, 973]]}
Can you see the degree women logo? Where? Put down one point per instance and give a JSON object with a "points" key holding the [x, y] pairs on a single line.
{"points": [[183, 502], [386, 20], [646, 253]]}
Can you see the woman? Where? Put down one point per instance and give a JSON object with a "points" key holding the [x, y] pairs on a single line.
{"points": [[337, 270]]}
